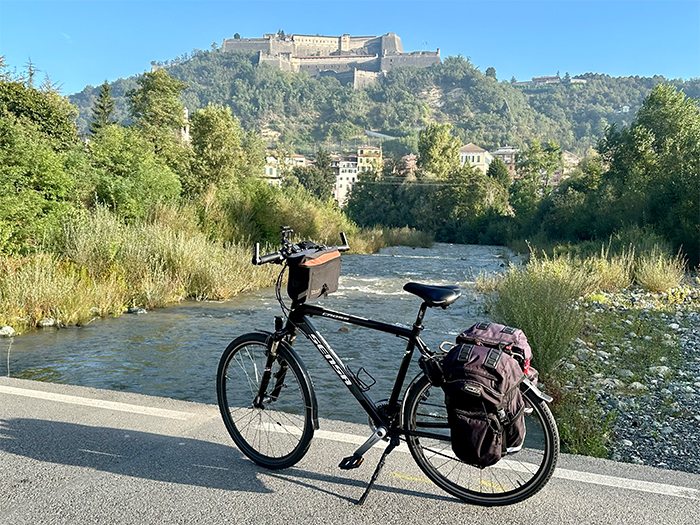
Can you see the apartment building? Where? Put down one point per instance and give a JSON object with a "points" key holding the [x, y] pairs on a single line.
{"points": [[476, 156]]}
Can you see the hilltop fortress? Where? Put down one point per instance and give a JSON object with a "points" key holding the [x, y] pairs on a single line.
{"points": [[354, 60]]}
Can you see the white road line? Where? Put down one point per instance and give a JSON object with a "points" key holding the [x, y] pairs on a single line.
{"points": [[561, 473], [572, 475], [96, 403], [99, 453], [626, 483]]}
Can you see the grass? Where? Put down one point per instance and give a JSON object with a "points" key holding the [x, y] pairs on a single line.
{"points": [[584, 428], [540, 300], [656, 271], [100, 266], [371, 240], [106, 266], [42, 286]]}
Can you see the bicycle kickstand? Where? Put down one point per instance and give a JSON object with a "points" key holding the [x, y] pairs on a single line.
{"points": [[392, 445]]}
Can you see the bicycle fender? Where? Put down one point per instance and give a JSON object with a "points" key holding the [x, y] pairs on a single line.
{"points": [[309, 382], [529, 385]]}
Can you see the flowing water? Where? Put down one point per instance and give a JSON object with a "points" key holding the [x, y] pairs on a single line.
{"points": [[174, 352]]}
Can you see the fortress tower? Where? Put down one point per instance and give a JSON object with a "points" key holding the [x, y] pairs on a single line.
{"points": [[356, 60]]}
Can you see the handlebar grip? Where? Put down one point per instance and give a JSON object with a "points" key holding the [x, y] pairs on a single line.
{"points": [[270, 257], [344, 247]]}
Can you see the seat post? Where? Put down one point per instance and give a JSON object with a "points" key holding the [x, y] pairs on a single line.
{"points": [[418, 325]]}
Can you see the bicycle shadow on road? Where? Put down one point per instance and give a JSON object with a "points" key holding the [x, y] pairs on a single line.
{"points": [[131, 453], [305, 478]]}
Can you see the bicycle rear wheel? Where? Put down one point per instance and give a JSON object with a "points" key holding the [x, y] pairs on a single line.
{"points": [[514, 478], [278, 434]]}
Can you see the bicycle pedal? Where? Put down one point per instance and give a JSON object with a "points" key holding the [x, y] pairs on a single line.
{"points": [[351, 462]]}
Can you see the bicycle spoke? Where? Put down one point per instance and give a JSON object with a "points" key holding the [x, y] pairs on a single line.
{"points": [[278, 433], [512, 479]]}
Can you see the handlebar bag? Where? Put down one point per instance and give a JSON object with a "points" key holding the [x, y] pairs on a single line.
{"points": [[485, 407], [313, 273]]}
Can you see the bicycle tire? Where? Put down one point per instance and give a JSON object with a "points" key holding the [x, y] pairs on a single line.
{"points": [[278, 435], [514, 478]]}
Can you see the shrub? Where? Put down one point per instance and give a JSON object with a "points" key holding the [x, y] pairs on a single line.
{"points": [[611, 273], [540, 300], [659, 272]]}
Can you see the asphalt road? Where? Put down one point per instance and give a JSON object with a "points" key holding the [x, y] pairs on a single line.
{"points": [[79, 455]]}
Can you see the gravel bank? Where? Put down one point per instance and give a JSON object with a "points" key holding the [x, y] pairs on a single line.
{"points": [[640, 353]]}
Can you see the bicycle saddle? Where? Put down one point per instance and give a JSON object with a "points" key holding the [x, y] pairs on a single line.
{"points": [[442, 296]]}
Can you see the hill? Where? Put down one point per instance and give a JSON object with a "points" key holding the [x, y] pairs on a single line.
{"points": [[299, 111]]}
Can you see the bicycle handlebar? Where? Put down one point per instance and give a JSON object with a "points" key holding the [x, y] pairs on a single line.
{"points": [[286, 251]]}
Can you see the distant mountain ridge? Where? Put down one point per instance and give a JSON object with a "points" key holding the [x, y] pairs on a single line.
{"points": [[292, 108]]}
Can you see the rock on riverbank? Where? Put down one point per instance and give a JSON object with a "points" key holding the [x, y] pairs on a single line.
{"points": [[640, 353]]}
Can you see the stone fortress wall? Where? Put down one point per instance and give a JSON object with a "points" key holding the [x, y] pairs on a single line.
{"points": [[356, 60]]}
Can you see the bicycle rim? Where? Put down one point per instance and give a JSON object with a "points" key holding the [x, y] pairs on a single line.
{"points": [[278, 434], [514, 478]]}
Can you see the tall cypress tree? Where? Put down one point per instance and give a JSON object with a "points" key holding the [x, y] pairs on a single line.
{"points": [[103, 109]]}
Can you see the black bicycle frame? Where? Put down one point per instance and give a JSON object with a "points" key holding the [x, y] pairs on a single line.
{"points": [[299, 319]]}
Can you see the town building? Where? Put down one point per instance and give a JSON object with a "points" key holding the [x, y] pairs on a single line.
{"points": [[353, 60], [274, 167], [346, 174], [476, 156], [272, 171], [507, 154], [369, 158]]}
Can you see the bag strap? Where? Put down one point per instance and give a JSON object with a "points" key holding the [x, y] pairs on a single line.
{"points": [[465, 353], [493, 358]]}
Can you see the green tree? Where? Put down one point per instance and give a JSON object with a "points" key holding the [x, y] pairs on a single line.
{"points": [[253, 154], [498, 171], [438, 149], [53, 115], [216, 139], [319, 178], [654, 172], [128, 177], [491, 72], [36, 188], [158, 113], [539, 163], [103, 109]]}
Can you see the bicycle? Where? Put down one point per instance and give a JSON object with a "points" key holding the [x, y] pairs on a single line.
{"points": [[267, 400]]}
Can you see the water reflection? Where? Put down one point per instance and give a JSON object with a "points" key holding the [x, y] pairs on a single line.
{"points": [[174, 352]]}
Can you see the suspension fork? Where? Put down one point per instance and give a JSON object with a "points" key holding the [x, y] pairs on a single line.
{"points": [[273, 342]]}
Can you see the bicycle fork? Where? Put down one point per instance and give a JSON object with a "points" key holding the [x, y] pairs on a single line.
{"points": [[261, 398]]}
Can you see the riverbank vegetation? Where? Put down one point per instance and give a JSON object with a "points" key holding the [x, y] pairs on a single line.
{"points": [[589, 313], [140, 216], [645, 176]]}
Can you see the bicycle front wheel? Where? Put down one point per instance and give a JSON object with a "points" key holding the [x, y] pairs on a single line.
{"points": [[277, 433], [514, 478]]}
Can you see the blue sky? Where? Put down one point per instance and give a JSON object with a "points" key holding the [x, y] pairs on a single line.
{"points": [[81, 43]]}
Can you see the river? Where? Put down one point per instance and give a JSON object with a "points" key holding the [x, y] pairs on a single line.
{"points": [[174, 352]]}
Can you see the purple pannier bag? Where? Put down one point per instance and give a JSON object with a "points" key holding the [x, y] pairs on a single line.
{"points": [[485, 408], [511, 340]]}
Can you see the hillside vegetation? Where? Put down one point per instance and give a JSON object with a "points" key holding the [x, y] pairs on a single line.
{"points": [[298, 111]]}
